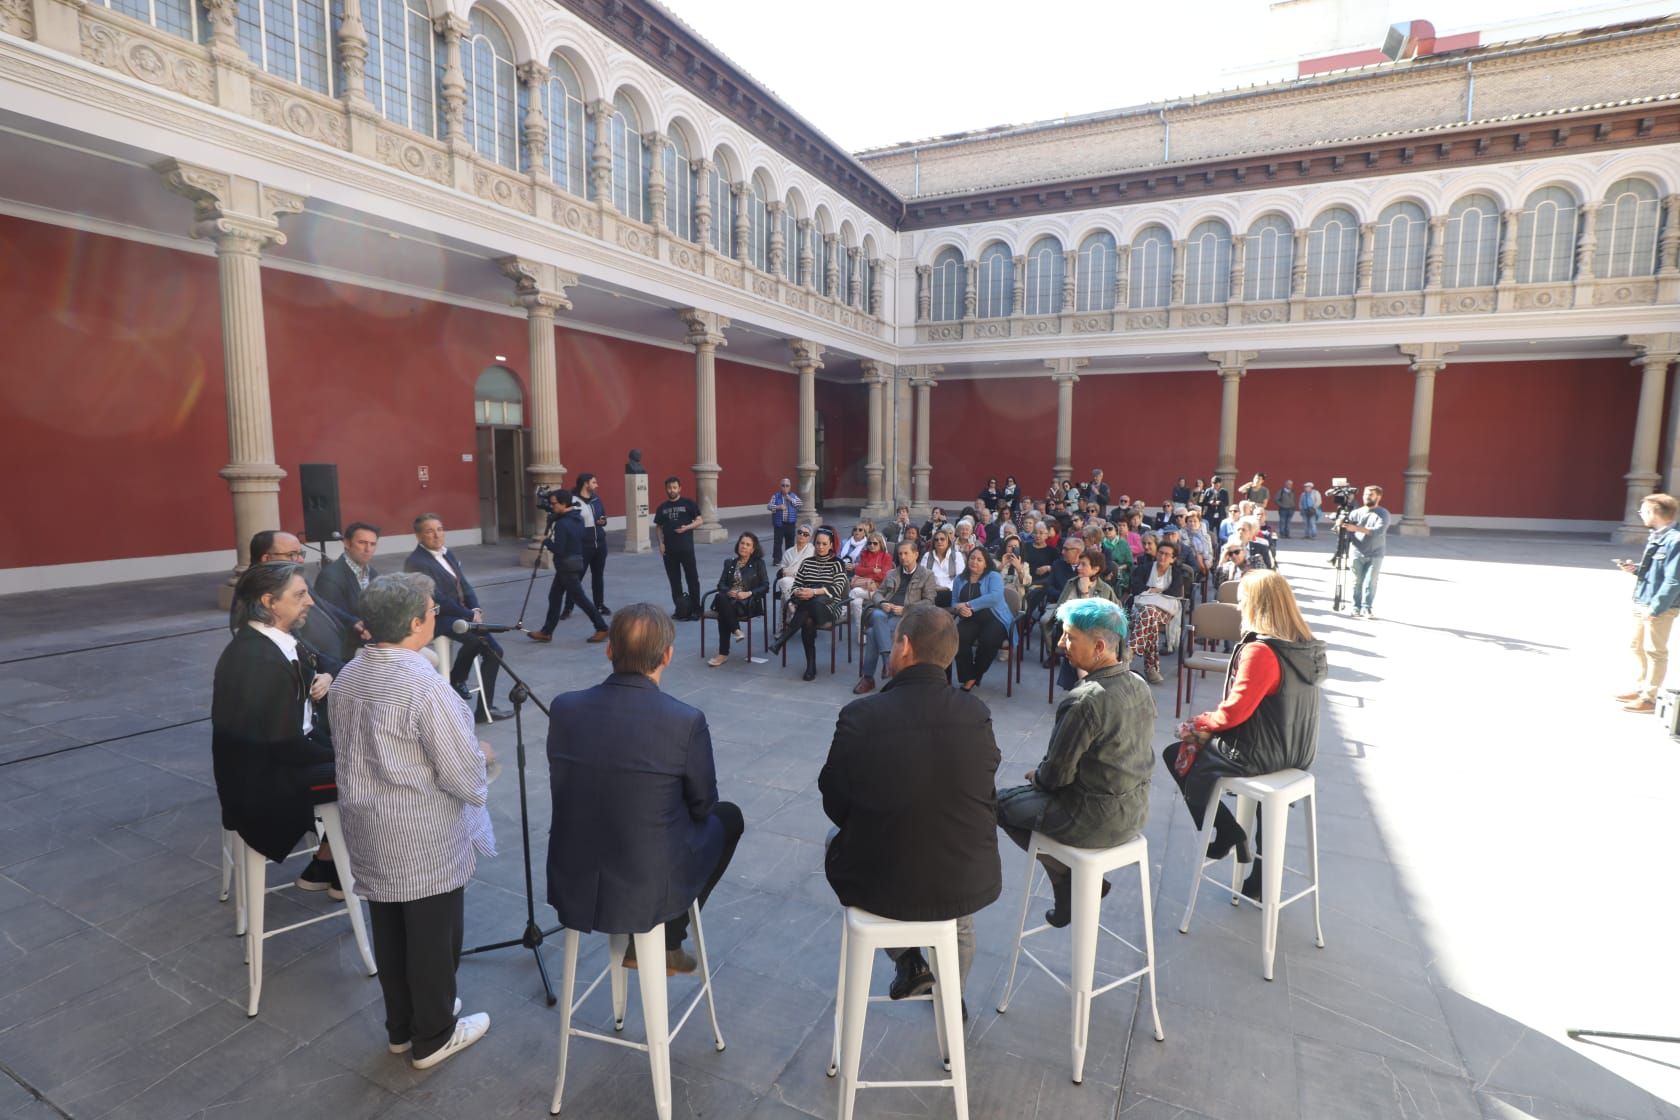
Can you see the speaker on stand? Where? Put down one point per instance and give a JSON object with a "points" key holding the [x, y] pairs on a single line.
{"points": [[321, 519]]}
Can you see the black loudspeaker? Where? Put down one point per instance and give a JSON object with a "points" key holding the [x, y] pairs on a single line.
{"points": [[321, 521]]}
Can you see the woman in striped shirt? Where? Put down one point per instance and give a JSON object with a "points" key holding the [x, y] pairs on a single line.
{"points": [[818, 598]]}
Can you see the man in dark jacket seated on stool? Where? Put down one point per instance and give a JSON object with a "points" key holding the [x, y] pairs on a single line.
{"points": [[639, 833], [909, 781]]}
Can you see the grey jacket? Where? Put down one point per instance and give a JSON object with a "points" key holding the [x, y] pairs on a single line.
{"points": [[1098, 763], [922, 588]]}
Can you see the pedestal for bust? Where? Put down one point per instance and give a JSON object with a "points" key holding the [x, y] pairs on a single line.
{"points": [[638, 519]]}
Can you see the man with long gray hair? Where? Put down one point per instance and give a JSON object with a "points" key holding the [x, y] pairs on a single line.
{"points": [[412, 790]]}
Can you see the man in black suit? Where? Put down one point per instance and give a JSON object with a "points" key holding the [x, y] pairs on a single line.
{"points": [[639, 833], [917, 812], [270, 753], [456, 599], [342, 582]]}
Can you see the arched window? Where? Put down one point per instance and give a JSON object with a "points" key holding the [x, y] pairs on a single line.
{"points": [[1152, 265], [867, 270], [1269, 258], [1094, 274], [790, 241], [758, 223], [487, 66], [844, 295], [497, 398], [1402, 241], [629, 161], [819, 259], [948, 286], [678, 166], [178, 17], [996, 281], [286, 38], [1207, 264], [723, 207], [562, 106], [1045, 269], [399, 62], [1332, 253], [1627, 229], [1470, 248], [1546, 237]]}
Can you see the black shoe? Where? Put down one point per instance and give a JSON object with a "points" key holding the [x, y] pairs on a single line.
{"points": [[1222, 843], [1061, 913], [320, 875], [965, 1010], [810, 673], [780, 640], [602, 611], [565, 614], [1252, 885], [494, 713], [913, 978]]}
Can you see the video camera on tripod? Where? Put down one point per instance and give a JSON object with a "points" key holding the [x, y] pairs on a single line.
{"points": [[1347, 500]]}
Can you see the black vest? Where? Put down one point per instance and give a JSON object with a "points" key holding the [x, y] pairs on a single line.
{"points": [[1283, 731]]}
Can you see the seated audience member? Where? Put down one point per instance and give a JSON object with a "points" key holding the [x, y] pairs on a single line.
{"points": [[1063, 570], [893, 532], [914, 812], [904, 586], [818, 598], [791, 559], [1087, 583], [914, 536], [1040, 555], [1197, 542], [740, 593], [456, 600], [1233, 562], [852, 547], [934, 523], [1004, 528], [1012, 498], [1181, 492], [1164, 516], [1119, 554], [1157, 589], [1056, 491], [639, 834], [983, 618], [1017, 577], [986, 530], [946, 564], [413, 783], [270, 753], [871, 567], [1092, 537], [342, 582], [1258, 547], [1268, 720], [965, 541], [1134, 534], [990, 496], [1228, 527], [1092, 788]]}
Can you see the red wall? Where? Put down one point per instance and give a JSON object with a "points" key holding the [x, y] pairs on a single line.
{"points": [[1145, 429], [992, 429], [844, 408], [1285, 426]]}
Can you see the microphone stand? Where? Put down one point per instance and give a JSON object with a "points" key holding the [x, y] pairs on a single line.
{"points": [[532, 937]]}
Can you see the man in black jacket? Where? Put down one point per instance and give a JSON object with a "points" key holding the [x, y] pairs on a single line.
{"points": [[456, 600], [565, 540], [909, 782], [342, 582]]}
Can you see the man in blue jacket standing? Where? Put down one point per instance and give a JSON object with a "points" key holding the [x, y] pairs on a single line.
{"points": [[565, 541], [1656, 601], [784, 516], [639, 833]]}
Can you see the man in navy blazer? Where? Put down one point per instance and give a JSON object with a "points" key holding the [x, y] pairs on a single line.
{"points": [[456, 599], [639, 833], [342, 582]]}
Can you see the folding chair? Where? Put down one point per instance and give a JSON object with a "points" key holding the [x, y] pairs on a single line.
{"points": [[1210, 622]]}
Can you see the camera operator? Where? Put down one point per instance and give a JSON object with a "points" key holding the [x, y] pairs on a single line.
{"points": [[1369, 526]]}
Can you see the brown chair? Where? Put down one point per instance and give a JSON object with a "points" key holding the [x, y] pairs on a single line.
{"points": [[1211, 623], [1228, 591], [833, 629], [756, 608]]}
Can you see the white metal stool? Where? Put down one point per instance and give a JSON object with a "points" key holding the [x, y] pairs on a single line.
{"points": [[443, 651], [650, 969], [253, 883], [861, 933], [1274, 793], [1088, 865]]}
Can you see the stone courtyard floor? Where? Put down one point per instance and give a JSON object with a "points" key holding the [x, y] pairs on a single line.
{"points": [[1498, 840]]}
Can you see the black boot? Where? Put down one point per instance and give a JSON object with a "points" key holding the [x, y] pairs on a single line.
{"points": [[783, 636], [913, 977], [1061, 912], [1252, 885], [1227, 834], [810, 668]]}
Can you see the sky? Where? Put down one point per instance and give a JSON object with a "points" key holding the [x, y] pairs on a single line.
{"points": [[869, 73]]}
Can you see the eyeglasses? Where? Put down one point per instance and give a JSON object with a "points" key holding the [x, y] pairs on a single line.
{"points": [[298, 555], [803, 533], [435, 608]]}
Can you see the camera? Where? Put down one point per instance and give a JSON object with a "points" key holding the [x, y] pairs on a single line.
{"points": [[1346, 497]]}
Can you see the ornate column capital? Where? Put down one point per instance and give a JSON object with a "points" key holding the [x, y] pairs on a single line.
{"points": [[539, 288], [705, 328], [1660, 349], [702, 166], [924, 270], [239, 214], [1232, 363], [534, 73], [1427, 357], [449, 23], [1066, 370], [807, 355], [874, 373], [923, 377]]}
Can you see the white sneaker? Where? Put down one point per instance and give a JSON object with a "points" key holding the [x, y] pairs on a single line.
{"points": [[468, 1030], [405, 1047]]}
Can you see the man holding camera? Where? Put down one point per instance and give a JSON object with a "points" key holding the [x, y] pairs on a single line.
{"points": [[1369, 526], [1656, 601]]}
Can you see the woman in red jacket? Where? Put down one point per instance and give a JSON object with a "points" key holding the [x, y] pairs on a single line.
{"points": [[1268, 720]]}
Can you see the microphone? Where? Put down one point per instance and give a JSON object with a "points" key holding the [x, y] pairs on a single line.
{"points": [[462, 626]]}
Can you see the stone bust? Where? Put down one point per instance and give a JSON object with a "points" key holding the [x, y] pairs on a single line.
{"points": [[634, 466]]}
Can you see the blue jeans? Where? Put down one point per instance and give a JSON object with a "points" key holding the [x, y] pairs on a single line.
{"points": [[877, 638], [1284, 516], [1365, 569], [1309, 518]]}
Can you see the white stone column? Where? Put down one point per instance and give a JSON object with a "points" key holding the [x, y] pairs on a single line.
{"points": [[600, 154], [703, 203], [1435, 255], [903, 429], [877, 286], [1363, 268], [352, 54], [1427, 360], [1668, 252], [806, 259], [807, 360], [971, 290], [876, 378], [1505, 285], [854, 284], [778, 241], [705, 334], [541, 290], [242, 217], [1586, 245], [743, 221], [229, 63], [534, 127], [924, 293], [922, 382], [1018, 290], [1656, 353], [454, 83], [1065, 373], [1298, 277], [656, 180], [1070, 279], [1233, 364], [831, 267]]}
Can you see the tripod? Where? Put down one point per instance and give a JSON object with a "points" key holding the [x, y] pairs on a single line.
{"points": [[1340, 561], [532, 937]]}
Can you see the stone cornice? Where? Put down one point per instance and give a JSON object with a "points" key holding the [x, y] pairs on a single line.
{"points": [[653, 35], [1520, 139]]}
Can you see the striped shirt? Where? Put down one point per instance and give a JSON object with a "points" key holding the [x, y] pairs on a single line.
{"points": [[825, 573], [411, 779]]}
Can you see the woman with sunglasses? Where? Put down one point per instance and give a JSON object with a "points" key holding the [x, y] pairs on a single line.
{"points": [[818, 598], [871, 567]]}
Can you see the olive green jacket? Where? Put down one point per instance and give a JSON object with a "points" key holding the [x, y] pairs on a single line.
{"points": [[1098, 763]]}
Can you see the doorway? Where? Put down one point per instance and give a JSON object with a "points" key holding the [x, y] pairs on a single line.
{"points": [[502, 452]]}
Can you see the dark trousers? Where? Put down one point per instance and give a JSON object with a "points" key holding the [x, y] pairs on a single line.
{"points": [[784, 535], [731, 613], [1197, 787], [595, 563], [417, 946], [729, 814], [979, 637], [679, 565], [808, 615], [568, 585], [471, 646]]}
